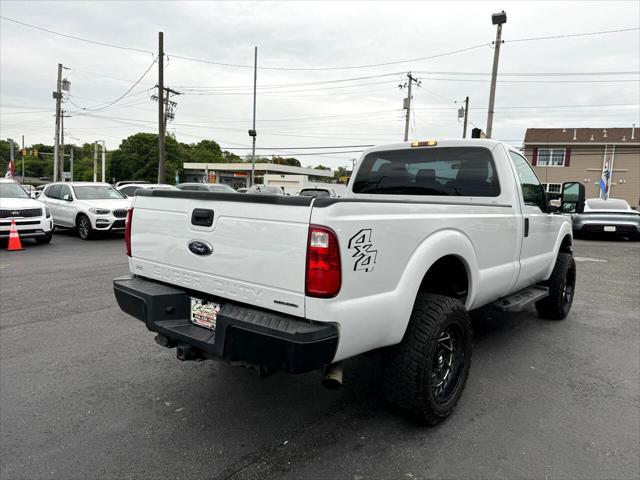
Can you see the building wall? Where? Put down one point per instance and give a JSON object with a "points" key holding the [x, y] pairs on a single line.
{"points": [[585, 166]]}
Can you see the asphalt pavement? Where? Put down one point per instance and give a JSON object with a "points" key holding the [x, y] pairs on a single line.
{"points": [[86, 393]]}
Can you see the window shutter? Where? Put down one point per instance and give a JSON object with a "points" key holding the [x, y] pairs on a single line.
{"points": [[534, 158], [567, 157]]}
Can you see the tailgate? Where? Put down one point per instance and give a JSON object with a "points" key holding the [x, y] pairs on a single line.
{"points": [[258, 245]]}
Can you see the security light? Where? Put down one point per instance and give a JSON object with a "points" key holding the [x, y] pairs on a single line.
{"points": [[499, 18]]}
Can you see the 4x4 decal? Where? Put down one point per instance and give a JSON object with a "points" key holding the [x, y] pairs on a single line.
{"points": [[364, 254]]}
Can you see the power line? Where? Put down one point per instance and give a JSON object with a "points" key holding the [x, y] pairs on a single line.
{"points": [[570, 35], [103, 44], [353, 67], [306, 148], [426, 72], [395, 62], [135, 84]]}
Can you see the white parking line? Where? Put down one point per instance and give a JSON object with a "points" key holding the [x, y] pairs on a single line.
{"points": [[588, 259]]}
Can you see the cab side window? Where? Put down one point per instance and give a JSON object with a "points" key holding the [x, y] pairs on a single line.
{"points": [[532, 190]]}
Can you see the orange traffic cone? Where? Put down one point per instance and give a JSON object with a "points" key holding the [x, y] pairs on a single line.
{"points": [[14, 238]]}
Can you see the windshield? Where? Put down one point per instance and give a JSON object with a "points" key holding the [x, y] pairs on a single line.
{"points": [[609, 204], [97, 192], [12, 190]]}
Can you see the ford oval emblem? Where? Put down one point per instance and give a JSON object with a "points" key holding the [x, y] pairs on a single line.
{"points": [[200, 248]]}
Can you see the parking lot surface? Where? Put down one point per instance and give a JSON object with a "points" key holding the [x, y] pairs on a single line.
{"points": [[86, 393]]}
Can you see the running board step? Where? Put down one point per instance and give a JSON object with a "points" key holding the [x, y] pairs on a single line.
{"points": [[518, 301]]}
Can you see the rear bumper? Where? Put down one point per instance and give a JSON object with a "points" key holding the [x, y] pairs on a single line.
{"points": [[599, 227], [242, 333], [591, 223]]}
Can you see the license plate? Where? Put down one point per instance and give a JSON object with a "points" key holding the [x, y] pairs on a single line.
{"points": [[204, 313], [609, 228]]}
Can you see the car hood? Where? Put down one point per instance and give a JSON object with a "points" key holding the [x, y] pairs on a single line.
{"points": [[14, 203], [110, 203]]}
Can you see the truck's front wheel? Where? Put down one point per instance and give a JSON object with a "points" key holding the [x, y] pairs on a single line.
{"points": [[562, 285], [425, 374]]}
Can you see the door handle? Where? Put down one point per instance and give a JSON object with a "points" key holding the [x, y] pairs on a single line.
{"points": [[202, 217], [526, 227]]}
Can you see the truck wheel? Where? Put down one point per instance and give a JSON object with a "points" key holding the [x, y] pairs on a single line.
{"points": [[83, 226], [425, 374], [562, 285]]}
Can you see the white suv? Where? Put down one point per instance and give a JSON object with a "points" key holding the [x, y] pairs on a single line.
{"points": [[33, 219], [86, 206]]}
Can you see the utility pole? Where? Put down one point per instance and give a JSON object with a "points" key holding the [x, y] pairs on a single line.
{"points": [[22, 152], [104, 157], [95, 161], [496, 19], [466, 117], [12, 165], [161, 127], [252, 132], [62, 145], [406, 105], [71, 160], [58, 97]]}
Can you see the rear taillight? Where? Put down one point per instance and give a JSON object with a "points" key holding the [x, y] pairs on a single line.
{"points": [[127, 231], [323, 263]]}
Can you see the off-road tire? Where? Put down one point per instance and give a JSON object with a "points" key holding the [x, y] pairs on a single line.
{"points": [[408, 368], [45, 239], [85, 230], [562, 286]]}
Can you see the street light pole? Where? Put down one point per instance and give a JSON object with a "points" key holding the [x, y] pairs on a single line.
{"points": [[253, 132], [22, 154], [466, 117], [497, 19]]}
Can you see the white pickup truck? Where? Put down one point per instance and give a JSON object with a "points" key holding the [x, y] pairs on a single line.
{"points": [[427, 232]]}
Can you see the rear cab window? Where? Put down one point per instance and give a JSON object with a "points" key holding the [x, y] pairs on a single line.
{"points": [[440, 171]]}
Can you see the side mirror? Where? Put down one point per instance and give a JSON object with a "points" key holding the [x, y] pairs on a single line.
{"points": [[68, 198], [572, 198]]}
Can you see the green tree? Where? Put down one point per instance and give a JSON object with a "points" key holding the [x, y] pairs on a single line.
{"points": [[5, 155], [229, 157], [137, 158], [294, 162], [340, 172], [206, 151]]}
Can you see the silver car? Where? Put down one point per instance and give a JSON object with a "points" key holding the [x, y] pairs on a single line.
{"points": [[613, 216], [206, 187]]}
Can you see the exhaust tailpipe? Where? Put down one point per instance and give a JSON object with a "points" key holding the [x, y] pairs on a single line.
{"points": [[332, 378], [186, 353]]}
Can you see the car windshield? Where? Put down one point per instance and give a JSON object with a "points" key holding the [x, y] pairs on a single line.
{"points": [[314, 193], [12, 190], [609, 204], [96, 192]]}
